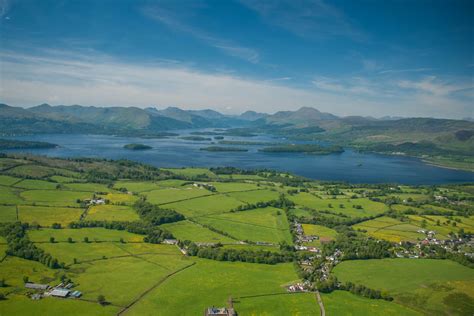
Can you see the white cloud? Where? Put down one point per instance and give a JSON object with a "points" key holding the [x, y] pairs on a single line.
{"points": [[100, 80], [434, 86]]}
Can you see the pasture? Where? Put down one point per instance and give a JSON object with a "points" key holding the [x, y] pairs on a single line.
{"points": [[421, 284], [324, 233], [187, 230], [94, 234], [255, 196], [265, 224], [169, 195], [207, 205], [55, 197], [111, 212], [7, 213], [256, 288], [46, 216]]}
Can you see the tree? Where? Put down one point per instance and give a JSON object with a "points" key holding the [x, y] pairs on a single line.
{"points": [[51, 240], [86, 239], [25, 279], [2, 283], [2, 296], [122, 241], [101, 299], [69, 240]]}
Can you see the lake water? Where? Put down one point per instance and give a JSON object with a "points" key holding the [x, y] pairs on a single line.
{"points": [[349, 166]]}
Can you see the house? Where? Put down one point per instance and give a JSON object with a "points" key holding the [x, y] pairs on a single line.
{"points": [[60, 292], [76, 294], [219, 311], [170, 241], [35, 286]]}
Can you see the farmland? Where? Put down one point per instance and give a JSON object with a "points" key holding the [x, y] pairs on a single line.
{"points": [[197, 238]]}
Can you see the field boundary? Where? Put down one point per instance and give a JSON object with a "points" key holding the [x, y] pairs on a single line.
{"points": [[166, 277]]}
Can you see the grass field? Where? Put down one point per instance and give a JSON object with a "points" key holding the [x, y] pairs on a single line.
{"points": [[7, 213], [214, 204], [77, 235], [255, 196], [169, 195], [46, 216], [266, 224], [21, 305], [192, 172], [340, 205], [7, 180], [9, 196], [55, 197], [36, 184], [391, 229], [324, 234], [87, 187], [421, 284], [120, 198], [186, 230], [202, 285], [345, 303], [224, 187], [111, 213]]}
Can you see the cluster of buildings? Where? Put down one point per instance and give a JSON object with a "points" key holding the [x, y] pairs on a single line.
{"points": [[95, 201], [302, 238], [206, 186], [61, 290], [304, 286], [221, 311]]}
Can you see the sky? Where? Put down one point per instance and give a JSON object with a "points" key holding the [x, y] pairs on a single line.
{"points": [[362, 57]]}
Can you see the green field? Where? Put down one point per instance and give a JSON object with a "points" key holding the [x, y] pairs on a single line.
{"points": [[169, 195], [202, 285], [207, 205], [266, 225], [46, 216], [345, 303], [421, 284], [186, 230], [111, 213], [77, 235], [144, 278], [340, 205]]}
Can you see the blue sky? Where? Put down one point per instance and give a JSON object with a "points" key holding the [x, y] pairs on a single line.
{"points": [[404, 58]]}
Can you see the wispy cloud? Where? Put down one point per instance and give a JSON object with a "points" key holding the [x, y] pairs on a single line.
{"points": [[434, 86], [97, 79], [4, 7], [175, 19], [307, 18], [395, 71]]}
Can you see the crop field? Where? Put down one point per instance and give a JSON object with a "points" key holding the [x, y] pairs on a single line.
{"points": [[186, 230], [46, 216], [112, 213], [340, 205], [266, 224], [118, 198], [169, 195], [419, 284], [202, 285]]}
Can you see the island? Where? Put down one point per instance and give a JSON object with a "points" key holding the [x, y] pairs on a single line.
{"points": [[137, 147], [221, 149], [196, 138], [245, 143], [23, 144], [304, 148]]}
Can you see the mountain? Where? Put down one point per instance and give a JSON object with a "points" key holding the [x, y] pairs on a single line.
{"points": [[252, 116], [305, 116]]}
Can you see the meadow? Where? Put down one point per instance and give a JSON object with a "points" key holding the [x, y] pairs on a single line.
{"points": [[422, 284]]}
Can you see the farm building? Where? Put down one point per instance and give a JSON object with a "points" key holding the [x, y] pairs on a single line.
{"points": [[60, 292], [219, 311], [170, 241], [35, 286]]}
